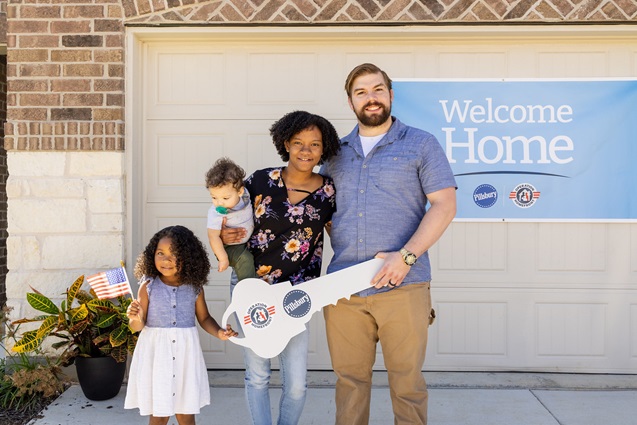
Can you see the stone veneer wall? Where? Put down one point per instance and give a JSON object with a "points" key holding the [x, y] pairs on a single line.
{"points": [[65, 106], [65, 219]]}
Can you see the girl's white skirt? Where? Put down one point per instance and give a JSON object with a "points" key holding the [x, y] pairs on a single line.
{"points": [[168, 373]]}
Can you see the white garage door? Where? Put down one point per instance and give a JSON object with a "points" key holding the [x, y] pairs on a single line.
{"points": [[509, 296]]}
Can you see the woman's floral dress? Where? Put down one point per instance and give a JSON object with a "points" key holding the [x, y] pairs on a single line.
{"points": [[287, 242]]}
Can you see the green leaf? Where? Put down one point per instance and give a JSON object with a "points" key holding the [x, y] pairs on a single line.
{"points": [[106, 320], [42, 303], [47, 326], [78, 328], [119, 336], [132, 342], [34, 319], [98, 306], [73, 290], [101, 339], [28, 342], [61, 344], [83, 297], [119, 354], [79, 314]]}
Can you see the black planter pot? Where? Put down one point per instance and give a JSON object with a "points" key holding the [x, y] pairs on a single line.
{"points": [[100, 377]]}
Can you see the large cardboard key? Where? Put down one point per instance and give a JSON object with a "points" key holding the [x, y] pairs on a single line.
{"points": [[270, 315]]}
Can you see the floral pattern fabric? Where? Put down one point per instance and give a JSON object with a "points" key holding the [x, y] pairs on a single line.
{"points": [[287, 242]]}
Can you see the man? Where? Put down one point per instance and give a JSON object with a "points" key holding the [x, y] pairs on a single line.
{"points": [[385, 174]]}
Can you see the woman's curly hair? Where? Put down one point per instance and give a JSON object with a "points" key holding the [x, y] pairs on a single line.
{"points": [[192, 265], [294, 122]]}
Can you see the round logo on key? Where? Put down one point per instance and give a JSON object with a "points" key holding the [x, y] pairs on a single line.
{"points": [[297, 303]]}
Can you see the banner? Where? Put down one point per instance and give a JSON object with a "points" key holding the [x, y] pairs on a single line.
{"points": [[532, 150]]}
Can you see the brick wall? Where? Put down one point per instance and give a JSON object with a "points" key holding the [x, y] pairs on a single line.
{"points": [[65, 75], [3, 21], [4, 174], [378, 11]]}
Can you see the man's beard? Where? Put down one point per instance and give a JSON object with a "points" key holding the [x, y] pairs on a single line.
{"points": [[376, 119]]}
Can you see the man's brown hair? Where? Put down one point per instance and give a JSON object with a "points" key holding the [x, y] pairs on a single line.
{"points": [[364, 69]]}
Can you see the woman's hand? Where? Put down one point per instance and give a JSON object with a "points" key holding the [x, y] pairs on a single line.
{"points": [[232, 235]]}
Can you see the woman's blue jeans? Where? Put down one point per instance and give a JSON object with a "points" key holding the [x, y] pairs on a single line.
{"points": [[293, 364]]}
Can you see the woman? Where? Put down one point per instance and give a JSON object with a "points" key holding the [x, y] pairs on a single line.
{"points": [[292, 205]]}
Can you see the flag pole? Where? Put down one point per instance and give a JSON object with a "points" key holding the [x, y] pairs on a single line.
{"points": [[121, 262]]}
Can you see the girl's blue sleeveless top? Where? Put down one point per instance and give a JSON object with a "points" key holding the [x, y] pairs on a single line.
{"points": [[170, 306]]}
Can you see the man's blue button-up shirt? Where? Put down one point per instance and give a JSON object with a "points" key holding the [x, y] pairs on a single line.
{"points": [[381, 198]]}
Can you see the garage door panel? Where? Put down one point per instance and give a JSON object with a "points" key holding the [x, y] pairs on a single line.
{"points": [[318, 354], [200, 88], [550, 330], [287, 81], [179, 153], [478, 328], [550, 255], [631, 249], [239, 80], [483, 64], [473, 247], [571, 247], [633, 331], [572, 64], [569, 329], [394, 61], [215, 350]]}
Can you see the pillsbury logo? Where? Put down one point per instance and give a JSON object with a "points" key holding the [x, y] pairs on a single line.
{"points": [[297, 303], [485, 196]]}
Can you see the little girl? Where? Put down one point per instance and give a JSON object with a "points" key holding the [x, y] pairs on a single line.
{"points": [[168, 374]]}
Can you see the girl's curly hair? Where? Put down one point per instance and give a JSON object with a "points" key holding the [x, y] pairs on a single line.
{"points": [[294, 122], [192, 265]]}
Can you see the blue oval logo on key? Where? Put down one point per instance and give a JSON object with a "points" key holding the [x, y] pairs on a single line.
{"points": [[297, 303]]}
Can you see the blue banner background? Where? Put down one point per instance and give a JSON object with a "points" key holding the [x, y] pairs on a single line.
{"points": [[596, 184]]}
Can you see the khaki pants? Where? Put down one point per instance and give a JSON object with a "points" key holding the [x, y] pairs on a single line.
{"points": [[399, 319]]}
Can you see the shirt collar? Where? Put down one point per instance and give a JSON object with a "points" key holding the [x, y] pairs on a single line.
{"points": [[395, 131]]}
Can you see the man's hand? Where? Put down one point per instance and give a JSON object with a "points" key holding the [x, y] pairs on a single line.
{"points": [[393, 271], [232, 235]]}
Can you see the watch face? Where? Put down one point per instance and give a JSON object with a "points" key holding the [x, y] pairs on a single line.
{"points": [[408, 257]]}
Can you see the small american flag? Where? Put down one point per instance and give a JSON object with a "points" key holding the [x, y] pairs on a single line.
{"points": [[110, 284]]}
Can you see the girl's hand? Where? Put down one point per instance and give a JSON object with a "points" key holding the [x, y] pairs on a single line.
{"points": [[134, 311], [226, 334]]}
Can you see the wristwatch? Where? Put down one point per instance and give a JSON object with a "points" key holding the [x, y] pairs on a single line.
{"points": [[408, 257]]}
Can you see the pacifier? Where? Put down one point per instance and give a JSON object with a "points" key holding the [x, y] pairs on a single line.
{"points": [[222, 210]]}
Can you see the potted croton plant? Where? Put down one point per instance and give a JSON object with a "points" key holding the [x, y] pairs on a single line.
{"points": [[92, 333]]}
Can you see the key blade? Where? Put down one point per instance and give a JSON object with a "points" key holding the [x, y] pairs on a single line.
{"points": [[330, 288]]}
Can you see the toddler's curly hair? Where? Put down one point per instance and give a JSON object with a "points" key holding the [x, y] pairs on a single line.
{"points": [[294, 122], [192, 260], [225, 171]]}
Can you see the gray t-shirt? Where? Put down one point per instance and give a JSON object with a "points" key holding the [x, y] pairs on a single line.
{"points": [[239, 216]]}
